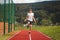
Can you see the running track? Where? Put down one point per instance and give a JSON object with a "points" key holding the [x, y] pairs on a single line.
{"points": [[35, 35]]}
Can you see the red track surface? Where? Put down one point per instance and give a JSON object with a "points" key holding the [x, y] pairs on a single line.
{"points": [[35, 35]]}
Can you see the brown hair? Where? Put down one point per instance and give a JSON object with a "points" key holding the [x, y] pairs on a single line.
{"points": [[30, 9]]}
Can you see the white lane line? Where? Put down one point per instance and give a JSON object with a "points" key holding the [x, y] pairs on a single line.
{"points": [[30, 36]]}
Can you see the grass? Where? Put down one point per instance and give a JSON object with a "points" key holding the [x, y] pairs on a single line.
{"points": [[4, 37], [52, 31]]}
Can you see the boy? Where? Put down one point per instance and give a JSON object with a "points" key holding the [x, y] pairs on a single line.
{"points": [[30, 18]]}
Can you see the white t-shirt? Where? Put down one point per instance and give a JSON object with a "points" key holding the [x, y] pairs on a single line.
{"points": [[30, 16]]}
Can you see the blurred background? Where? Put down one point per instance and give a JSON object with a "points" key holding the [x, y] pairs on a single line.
{"points": [[46, 12]]}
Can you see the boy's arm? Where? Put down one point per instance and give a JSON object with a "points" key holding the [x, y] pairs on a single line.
{"points": [[34, 19], [26, 18]]}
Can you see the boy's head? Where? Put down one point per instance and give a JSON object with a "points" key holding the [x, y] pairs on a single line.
{"points": [[30, 10]]}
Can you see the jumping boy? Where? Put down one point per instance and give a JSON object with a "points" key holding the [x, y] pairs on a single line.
{"points": [[30, 18]]}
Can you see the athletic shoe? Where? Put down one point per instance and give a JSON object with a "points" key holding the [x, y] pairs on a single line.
{"points": [[29, 32], [24, 25]]}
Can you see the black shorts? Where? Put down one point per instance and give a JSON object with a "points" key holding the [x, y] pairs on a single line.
{"points": [[31, 22]]}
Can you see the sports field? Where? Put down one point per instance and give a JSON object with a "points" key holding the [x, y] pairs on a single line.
{"points": [[51, 31]]}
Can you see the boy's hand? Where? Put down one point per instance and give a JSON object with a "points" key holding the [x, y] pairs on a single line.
{"points": [[24, 20], [34, 21]]}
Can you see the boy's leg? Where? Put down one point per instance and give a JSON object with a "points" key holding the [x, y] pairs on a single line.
{"points": [[26, 23], [30, 26]]}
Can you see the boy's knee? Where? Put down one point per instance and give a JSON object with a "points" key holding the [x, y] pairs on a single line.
{"points": [[30, 25]]}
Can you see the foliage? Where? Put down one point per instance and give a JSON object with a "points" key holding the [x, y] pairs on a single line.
{"points": [[46, 22], [42, 10]]}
